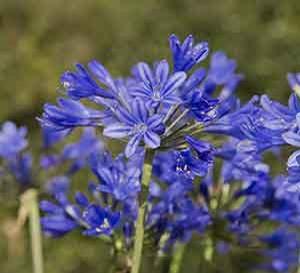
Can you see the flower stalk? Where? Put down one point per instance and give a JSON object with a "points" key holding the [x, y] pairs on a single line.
{"points": [[139, 231], [177, 258], [30, 203]]}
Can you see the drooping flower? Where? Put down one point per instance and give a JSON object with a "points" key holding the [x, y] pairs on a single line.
{"points": [[68, 115]]}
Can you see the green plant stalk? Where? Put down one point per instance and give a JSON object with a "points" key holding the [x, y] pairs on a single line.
{"points": [[177, 258], [139, 230], [30, 201]]}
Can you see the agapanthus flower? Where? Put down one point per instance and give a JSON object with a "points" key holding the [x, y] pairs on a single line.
{"points": [[118, 179], [64, 216], [186, 55], [137, 125], [201, 151], [69, 114], [76, 154], [221, 68], [283, 250], [80, 84], [157, 86], [15, 161], [12, 140]]}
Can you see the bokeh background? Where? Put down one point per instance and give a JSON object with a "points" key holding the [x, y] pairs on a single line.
{"points": [[39, 39]]}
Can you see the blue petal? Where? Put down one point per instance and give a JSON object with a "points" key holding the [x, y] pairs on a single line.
{"points": [[116, 130], [152, 139], [99, 71], [132, 145], [291, 138], [293, 160], [139, 110], [154, 121], [145, 74], [76, 108], [175, 81], [294, 103], [103, 75], [162, 72]]}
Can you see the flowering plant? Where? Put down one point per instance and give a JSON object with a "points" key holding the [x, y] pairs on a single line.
{"points": [[193, 163]]}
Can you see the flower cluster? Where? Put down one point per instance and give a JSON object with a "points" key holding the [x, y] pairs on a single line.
{"points": [[193, 156]]}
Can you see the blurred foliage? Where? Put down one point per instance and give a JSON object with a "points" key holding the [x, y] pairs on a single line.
{"points": [[41, 39]]}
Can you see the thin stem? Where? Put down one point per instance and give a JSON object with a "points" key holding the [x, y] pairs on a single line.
{"points": [[298, 270], [209, 250], [30, 202], [177, 258], [139, 240], [174, 123], [170, 113], [139, 230]]}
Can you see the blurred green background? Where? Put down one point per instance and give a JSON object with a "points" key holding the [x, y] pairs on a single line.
{"points": [[39, 39]]}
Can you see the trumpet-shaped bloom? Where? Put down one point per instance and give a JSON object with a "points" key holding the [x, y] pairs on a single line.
{"points": [[186, 55], [68, 115]]}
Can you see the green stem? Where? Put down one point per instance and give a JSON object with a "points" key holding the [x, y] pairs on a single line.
{"points": [[30, 201], [177, 258], [139, 230], [298, 271], [139, 240]]}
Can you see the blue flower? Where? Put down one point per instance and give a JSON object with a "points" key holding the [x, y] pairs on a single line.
{"points": [[79, 152], [21, 168], [100, 221], [186, 55], [283, 250], [12, 144], [118, 179], [12, 140], [230, 124], [175, 215], [195, 161], [58, 184], [75, 154], [221, 68], [137, 125], [201, 107], [158, 86], [80, 84], [292, 185], [51, 137], [68, 115], [63, 217]]}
